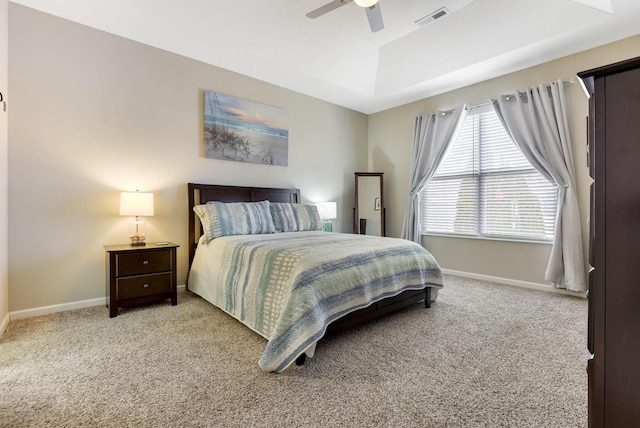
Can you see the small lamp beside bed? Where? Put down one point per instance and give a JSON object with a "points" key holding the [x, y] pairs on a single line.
{"points": [[328, 211], [136, 204]]}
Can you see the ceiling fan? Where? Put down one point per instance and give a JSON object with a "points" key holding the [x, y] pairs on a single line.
{"points": [[374, 15]]}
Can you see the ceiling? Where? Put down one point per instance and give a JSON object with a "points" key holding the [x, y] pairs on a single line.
{"points": [[337, 58]]}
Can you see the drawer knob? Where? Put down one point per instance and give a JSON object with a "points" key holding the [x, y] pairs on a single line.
{"points": [[145, 262], [146, 285]]}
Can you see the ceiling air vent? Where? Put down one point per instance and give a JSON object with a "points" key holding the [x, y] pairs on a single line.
{"points": [[433, 16]]}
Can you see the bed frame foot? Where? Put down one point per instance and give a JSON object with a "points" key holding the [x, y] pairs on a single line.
{"points": [[427, 300], [301, 359]]}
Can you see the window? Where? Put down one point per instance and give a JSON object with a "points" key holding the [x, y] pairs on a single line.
{"points": [[485, 187]]}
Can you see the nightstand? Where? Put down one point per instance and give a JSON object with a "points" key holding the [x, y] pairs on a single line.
{"points": [[140, 274]]}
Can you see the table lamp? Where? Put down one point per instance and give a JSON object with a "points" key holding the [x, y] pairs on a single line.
{"points": [[328, 211], [136, 204]]}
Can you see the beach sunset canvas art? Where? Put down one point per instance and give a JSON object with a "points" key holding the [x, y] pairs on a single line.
{"points": [[246, 131]]}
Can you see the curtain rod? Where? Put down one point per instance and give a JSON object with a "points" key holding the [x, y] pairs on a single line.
{"points": [[570, 81]]}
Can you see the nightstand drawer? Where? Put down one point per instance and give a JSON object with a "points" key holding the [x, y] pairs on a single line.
{"points": [[139, 263], [145, 285]]}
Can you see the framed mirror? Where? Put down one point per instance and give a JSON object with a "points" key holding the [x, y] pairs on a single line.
{"points": [[369, 213]]}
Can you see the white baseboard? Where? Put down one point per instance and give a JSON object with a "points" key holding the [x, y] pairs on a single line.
{"points": [[4, 324], [45, 310], [515, 282], [28, 313]]}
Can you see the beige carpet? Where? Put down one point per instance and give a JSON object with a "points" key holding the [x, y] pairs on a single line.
{"points": [[484, 355]]}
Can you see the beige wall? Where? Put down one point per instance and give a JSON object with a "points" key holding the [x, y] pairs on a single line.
{"points": [[93, 114], [4, 281], [390, 136]]}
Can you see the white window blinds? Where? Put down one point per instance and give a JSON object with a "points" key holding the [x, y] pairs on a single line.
{"points": [[486, 187]]}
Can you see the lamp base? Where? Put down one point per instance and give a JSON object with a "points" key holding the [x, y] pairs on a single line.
{"points": [[137, 229], [327, 226]]}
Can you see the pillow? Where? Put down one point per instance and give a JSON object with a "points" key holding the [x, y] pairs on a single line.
{"points": [[234, 218], [289, 217]]}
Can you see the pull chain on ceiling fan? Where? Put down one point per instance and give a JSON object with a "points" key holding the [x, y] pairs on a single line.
{"points": [[372, 7]]}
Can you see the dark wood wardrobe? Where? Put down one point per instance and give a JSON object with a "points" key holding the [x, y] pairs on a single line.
{"points": [[614, 282]]}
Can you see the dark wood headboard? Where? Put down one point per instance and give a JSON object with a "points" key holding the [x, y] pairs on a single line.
{"points": [[203, 193]]}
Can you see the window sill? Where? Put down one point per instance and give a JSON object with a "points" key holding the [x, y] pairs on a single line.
{"points": [[483, 238]]}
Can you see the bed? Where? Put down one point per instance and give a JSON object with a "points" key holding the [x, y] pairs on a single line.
{"points": [[287, 280]]}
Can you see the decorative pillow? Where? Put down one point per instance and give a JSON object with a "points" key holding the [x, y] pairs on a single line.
{"points": [[234, 218], [289, 217]]}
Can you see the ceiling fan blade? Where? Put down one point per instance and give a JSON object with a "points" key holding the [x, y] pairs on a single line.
{"points": [[374, 15], [326, 8]]}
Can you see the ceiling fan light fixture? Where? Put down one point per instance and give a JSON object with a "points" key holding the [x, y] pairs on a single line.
{"points": [[365, 3]]}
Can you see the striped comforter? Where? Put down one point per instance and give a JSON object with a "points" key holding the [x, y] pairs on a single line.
{"points": [[289, 287]]}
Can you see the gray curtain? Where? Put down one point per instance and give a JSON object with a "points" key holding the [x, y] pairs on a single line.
{"points": [[432, 134], [537, 122]]}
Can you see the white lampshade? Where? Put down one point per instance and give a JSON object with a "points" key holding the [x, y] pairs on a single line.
{"points": [[327, 210], [136, 204], [365, 3]]}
